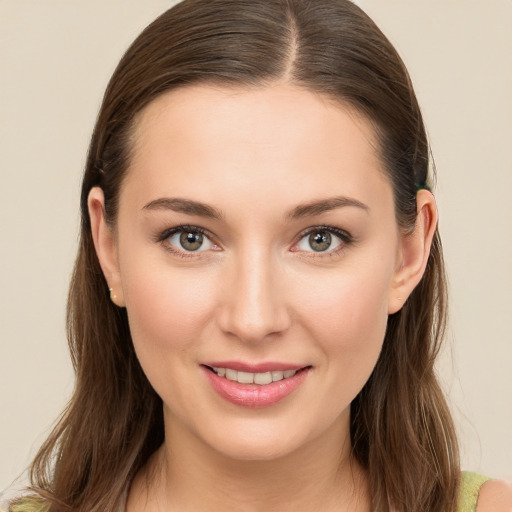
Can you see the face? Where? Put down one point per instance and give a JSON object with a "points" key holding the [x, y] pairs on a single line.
{"points": [[257, 253]]}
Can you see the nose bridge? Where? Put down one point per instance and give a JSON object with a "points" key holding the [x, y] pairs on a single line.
{"points": [[255, 306]]}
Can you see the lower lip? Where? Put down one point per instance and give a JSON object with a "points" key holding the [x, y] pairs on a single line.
{"points": [[255, 395]]}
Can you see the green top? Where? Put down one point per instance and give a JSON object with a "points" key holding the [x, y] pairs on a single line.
{"points": [[469, 490]]}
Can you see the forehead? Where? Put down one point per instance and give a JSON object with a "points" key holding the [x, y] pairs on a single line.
{"points": [[280, 140], [252, 112]]}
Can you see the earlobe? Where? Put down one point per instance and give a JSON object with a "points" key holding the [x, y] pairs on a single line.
{"points": [[414, 251], [105, 245]]}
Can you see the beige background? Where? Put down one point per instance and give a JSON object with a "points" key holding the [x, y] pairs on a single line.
{"points": [[55, 59]]}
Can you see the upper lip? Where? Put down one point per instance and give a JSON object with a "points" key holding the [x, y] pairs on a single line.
{"points": [[263, 367]]}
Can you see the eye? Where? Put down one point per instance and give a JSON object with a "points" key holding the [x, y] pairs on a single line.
{"points": [[187, 239], [323, 239]]}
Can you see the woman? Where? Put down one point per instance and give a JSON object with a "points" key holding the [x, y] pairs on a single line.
{"points": [[258, 297]]}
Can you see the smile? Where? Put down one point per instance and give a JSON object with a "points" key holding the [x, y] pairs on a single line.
{"points": [[255, 389], [254, 378]]}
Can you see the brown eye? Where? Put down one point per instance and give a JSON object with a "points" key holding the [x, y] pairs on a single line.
{"points": [[320, 241], [323, 240], [187, 239], [191, 241]]}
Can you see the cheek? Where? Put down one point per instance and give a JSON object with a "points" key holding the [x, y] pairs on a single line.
{"points": [[351, 303], [168, 312], [167, 308], [348, 318]]}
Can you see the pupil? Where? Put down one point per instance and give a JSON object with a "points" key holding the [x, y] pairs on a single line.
{"points": [[320, 241], [191, 241]]}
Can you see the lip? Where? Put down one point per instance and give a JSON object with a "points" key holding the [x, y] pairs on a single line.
{"points": [[255, 395], [269, 366]]}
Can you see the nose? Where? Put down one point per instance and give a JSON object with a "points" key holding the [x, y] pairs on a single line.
{"points": [[253, 307]]}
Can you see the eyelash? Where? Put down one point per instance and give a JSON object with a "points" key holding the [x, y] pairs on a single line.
{"points": [[345, 238], [165, 235]]}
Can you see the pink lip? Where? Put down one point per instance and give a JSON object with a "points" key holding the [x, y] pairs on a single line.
{"points": [[254, 395], [240, 366]]}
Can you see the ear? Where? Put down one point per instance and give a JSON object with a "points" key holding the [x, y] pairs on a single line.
{"points": [[414, 251], [105, 245]]}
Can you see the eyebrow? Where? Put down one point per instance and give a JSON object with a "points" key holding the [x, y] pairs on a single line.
{"points": [[184, 206], [324, 205], [190, 207]]}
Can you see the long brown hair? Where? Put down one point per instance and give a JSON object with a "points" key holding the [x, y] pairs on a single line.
{"points": [[401, 428]]}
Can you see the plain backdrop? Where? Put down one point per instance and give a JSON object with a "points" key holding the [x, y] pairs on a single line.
{"points": [[56, 57]]}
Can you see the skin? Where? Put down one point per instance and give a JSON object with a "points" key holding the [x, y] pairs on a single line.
{"points": [[495, 496], [257, 291]]}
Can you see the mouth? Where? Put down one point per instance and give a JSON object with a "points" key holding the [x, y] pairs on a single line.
{"points": [[267, 385], [259, 378]]}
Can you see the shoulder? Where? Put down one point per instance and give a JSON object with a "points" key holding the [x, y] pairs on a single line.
{"points": [[495, 496]]}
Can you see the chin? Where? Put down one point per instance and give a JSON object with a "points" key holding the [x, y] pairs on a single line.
{"points": [[255, 442], [255, 451]]}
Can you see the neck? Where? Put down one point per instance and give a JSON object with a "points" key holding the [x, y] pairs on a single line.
{"points": [[186, 474]]}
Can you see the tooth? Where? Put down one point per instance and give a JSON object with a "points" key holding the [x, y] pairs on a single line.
{"points": [[245, 377], [263, 378], [231, 374], [277, 375], [289, 373], [221, 372]]}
